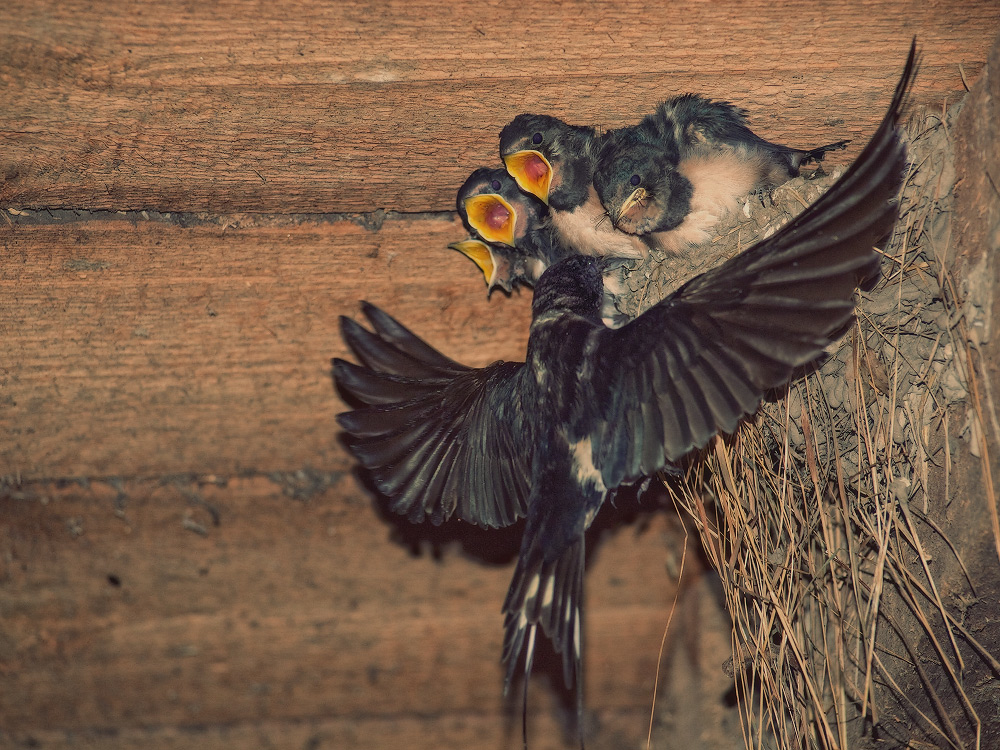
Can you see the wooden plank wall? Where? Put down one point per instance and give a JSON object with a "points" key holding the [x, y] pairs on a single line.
{"points": [[190, 194]]}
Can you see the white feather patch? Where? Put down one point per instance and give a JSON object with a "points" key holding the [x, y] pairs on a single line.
{"points": [[550, 588], [534, 268], [529, 652], [718, 179], [588, 231], [583, 465], [532, 589]]}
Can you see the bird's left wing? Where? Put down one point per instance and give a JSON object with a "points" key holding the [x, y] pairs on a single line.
{"points": [[439, 438]]}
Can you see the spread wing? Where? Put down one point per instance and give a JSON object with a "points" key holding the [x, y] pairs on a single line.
{"points": [[439, 438], [701, 359]]}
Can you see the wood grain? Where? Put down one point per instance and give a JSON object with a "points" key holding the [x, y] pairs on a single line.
{"points": [[144, 347], [172, 620], [546, 732], [347, 107]]}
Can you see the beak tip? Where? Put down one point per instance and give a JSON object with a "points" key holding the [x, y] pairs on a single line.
{"points": [[480, 254]]}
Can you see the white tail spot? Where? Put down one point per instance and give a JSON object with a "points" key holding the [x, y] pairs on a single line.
{"points": [[532, 589], [550, 587]]}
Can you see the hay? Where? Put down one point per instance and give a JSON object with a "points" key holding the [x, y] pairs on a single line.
{"points": [[818, 505]]}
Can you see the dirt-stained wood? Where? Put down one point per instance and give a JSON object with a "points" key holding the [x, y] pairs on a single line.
{"points": [[311, 107]]}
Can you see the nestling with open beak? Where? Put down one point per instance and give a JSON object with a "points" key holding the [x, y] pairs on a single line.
{"points": [[514, 240], [510, 229]]}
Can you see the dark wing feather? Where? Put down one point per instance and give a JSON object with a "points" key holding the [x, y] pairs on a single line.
{"points": [[439, 438], [701, 359]]}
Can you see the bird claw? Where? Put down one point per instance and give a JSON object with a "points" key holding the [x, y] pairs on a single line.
{"points": [[763, 196], [672, 471]]}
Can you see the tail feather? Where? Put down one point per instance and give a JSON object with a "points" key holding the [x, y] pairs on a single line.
{"points": [[550, 594], [547, 593]]}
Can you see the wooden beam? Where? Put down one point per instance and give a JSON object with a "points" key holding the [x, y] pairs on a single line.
{"points": [[347, 107], [146, 347], [126, 607]]}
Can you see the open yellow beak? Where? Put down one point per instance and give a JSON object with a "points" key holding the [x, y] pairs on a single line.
{"points": [[492, 217], [532, 172], [480, 254], [637, 197]]}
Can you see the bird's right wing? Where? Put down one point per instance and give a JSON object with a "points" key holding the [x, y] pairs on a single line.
{"points": [[698, 361], [439, 438]]}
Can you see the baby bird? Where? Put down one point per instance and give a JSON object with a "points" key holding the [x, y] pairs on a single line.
{"points": [[674, 175], [514, 239]]}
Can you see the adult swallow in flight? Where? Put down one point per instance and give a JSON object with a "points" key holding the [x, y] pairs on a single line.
{"points": [[593, 408], [682, 168]]}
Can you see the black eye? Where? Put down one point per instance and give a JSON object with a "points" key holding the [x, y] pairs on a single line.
{"points": [[536, 138], [634, 180], [495, 184]]}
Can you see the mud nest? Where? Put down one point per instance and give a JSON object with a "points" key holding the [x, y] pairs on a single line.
{"points": [[819, 504]]}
